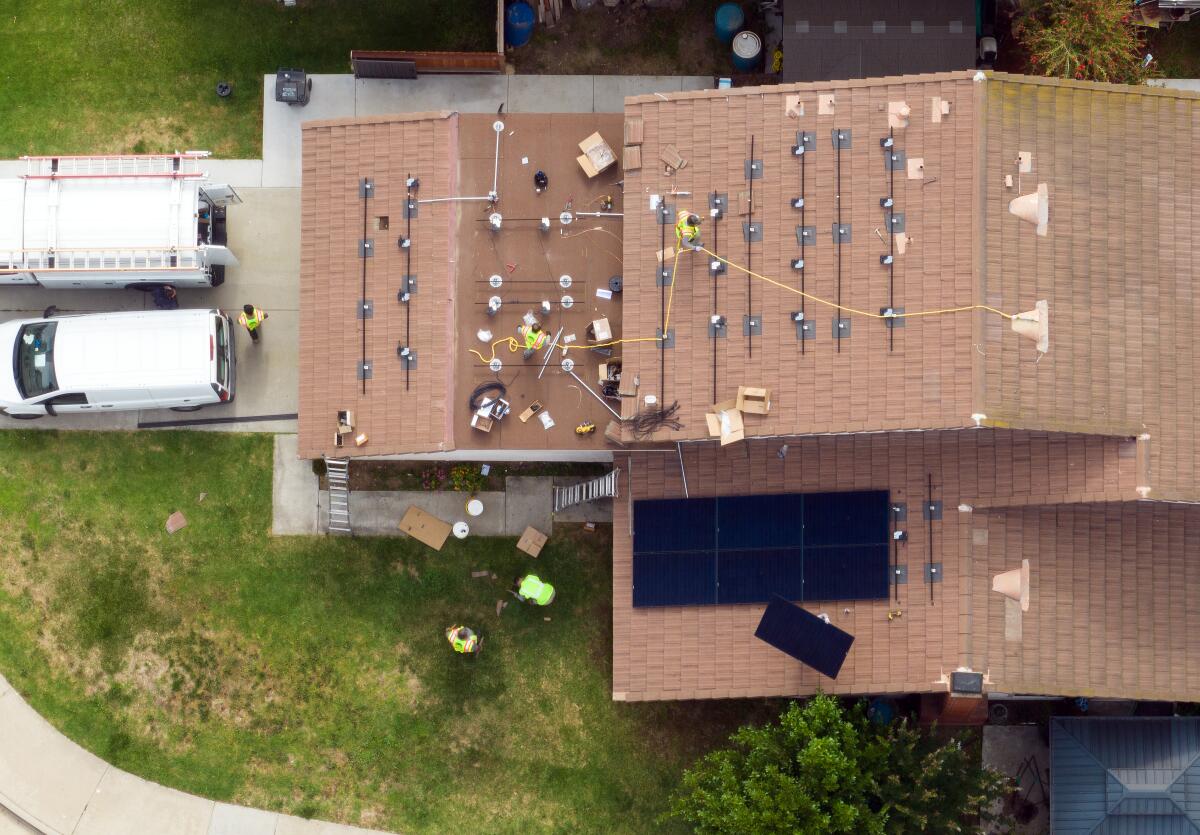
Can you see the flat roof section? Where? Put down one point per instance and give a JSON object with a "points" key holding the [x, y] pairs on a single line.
{"points": [[531, 264]]}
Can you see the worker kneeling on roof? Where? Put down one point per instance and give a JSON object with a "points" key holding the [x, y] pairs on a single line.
{"points": [[531, 588], [533, 337], [687, 230], [464, 640]]}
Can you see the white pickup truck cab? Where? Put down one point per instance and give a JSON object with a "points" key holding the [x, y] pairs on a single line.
{"points": [[98, 362]]}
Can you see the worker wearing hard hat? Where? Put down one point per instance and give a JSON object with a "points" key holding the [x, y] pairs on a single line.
{"points": [[530, 588], [464, 640], [687, 231], [533, 338]]}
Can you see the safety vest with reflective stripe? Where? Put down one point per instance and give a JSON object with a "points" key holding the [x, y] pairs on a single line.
{"points": [[534, 340], [459, 643], [532, 588], [251, 322], [685, 231]]}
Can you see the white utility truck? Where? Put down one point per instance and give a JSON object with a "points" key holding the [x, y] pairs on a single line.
{"points": [[100, 362], [100, 222]]}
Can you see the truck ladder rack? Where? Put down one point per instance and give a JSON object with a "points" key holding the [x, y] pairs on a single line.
{"points": [[128, 165], [183, 258]]}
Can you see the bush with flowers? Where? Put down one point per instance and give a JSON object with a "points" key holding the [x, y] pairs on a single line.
{"points": [[1092, 40]]}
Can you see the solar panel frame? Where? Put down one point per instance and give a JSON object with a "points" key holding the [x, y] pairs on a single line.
{"points": [[675, 578], [742, 575], [674, 525], [847, 572]]}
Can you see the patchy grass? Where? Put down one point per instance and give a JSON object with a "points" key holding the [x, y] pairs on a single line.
{"points": [[310, 675], [140, 75], [627, 40]]}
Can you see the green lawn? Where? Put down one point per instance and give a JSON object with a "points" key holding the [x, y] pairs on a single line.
{"points": [[310, 675], [80, 76]]}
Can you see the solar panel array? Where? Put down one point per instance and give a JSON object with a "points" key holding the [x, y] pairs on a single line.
{"points": [[744, 549]]}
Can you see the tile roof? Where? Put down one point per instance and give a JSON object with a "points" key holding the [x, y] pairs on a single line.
{"points": [[399, 410], [1117, 266], [685, 652]]}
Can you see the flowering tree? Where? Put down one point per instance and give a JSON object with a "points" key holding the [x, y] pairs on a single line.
{"points": [[1092, 40]]}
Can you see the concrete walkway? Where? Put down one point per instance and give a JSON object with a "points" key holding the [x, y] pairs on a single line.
{"points": [[343, 96], [50, 785], [294, 489]]}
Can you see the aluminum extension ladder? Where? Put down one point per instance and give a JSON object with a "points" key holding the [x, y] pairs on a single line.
{"points": [[601, 487], [186, 164], [337, 474]]}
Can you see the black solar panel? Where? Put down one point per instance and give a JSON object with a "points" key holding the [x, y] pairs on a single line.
{"points": [[804, 636], [853, 572], [744, 549], [674, 525], [749, 522], [675, 579], [753, 576]]}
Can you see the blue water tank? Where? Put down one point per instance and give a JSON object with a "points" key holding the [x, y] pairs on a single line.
{"points": [[747, 51], [518, 23], [728, 20]]}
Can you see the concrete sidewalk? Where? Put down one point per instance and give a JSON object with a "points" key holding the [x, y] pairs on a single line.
{"points": [[343, 96], [52, 786]]}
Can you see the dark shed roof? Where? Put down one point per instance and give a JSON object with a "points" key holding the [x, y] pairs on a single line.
{"points": [[1125, 776], [870, 38]]}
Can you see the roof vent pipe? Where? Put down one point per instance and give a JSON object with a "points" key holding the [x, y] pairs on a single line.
{"points": [[1035, 324], [1033, 208]]}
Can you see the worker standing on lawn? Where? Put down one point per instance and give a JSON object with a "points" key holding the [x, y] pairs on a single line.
{"points": [[687, 230], [252, 318], [531, 588], [463, 640], [533, 338]]}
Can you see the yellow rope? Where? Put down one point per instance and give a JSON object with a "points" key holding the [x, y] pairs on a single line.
{"points": [[843, 307]]}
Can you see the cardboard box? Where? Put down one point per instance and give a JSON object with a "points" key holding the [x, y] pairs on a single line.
{"points": [[596, 156], [533, 409], [345, 422], [666, 254], [725, 422], [754, 401], [628, 387], [531, 541], [483, 424], [601, 330], [425, 527], [360, 439], [634, 130]]}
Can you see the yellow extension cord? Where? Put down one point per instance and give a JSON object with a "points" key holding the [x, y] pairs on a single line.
{"points": [[514, 346]]}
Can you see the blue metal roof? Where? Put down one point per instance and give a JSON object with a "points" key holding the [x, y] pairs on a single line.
{"points": [[1137, 776]]}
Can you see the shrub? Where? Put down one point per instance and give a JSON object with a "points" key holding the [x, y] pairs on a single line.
{"points": [[1091, 40], [467, 478]]}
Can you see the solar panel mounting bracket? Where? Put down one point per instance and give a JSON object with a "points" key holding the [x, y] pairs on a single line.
{"points": [[752, 231], [669, 342], [365, 309], [841, 233], [841, 138], [753, 169], [841, 328], [751, 325], [933, 572]]}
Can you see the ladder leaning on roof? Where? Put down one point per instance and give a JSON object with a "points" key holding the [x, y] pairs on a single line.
{"points": [[337, 474], [601, 487]]}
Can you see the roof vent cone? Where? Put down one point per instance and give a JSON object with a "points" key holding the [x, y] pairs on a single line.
{"points": [[1033, 208], [493, 305], [546, 306], [544, 224], [1014, 584], [494, 221], [1035, 324]]}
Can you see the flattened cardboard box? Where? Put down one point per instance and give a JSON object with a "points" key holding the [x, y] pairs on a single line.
{"points": [[425, 527], [725, 422]]}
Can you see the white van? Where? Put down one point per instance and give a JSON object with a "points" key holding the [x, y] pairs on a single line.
{"points": [[153, 359]]}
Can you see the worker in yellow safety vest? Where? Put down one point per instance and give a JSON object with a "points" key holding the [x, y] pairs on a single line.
{"points": [[463, 640], [533, 337], [251, 318], [687, 230], [531, 588]]}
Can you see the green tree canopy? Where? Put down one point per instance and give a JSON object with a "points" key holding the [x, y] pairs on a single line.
{"points": [[1093, 40], [824, 769]]}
